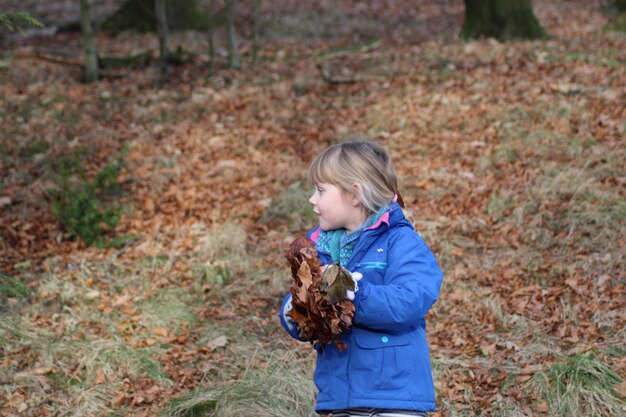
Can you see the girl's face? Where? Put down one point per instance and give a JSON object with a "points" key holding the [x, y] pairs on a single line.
{"points": [[336, 209]]}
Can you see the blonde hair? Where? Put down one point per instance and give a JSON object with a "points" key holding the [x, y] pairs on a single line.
{"points": [[363, 163]]}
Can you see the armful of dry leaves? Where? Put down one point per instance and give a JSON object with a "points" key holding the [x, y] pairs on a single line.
{"points": [[320, 306]]}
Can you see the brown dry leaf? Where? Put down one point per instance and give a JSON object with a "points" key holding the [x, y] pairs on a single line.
{"points": [[306, 280], [100, 377], [573, 284], [118, 400], [160, 331], [336, 281], [42, 371], [148, 342], [15, 400], [148, 205]]}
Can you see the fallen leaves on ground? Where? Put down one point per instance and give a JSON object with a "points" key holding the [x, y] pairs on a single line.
{"points": [[510, 157]]}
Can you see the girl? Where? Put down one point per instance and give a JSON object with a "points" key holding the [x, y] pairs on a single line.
{"points": [[385, 371]]}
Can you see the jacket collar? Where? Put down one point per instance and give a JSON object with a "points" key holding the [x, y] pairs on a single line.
{"points": [[392, 217]]}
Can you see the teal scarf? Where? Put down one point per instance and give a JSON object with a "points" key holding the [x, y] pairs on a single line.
{"points": [[339, 243]]}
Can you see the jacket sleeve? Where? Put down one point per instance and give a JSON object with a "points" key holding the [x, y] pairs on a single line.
{"points": [[290, 325], [411, 286]]}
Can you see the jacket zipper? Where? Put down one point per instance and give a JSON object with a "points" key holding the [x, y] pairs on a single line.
{"points": [[367, 239]]}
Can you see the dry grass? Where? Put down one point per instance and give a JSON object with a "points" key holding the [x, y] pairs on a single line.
{"points": [[581, 385], [89, 371], [279, 389]]}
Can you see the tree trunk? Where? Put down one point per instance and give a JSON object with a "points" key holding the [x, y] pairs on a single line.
{"points": [[211, 37], [256, 31], [139, 15], [233, 55], [501, 19], [91, 57], [162, 29]]}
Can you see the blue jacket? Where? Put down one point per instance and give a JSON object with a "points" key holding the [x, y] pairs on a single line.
{"points": [[387, 362]]}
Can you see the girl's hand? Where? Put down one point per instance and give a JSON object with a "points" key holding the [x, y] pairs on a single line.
{"points": [[288, 321], [339, 283], [356, 277]]}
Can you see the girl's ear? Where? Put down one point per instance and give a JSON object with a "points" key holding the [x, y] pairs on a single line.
{"points": [[355, 195]]}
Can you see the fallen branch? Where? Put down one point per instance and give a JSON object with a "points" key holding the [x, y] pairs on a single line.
{"points": [[349, 77], [340, 53], [335, 79], [133, 61], [69, 62], [58, 60]]}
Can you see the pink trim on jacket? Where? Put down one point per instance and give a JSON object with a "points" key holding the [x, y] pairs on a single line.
{"points": [[315, 235], [383, 219]]}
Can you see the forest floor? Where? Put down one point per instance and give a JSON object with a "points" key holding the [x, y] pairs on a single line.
{"points": [[511, 162]]}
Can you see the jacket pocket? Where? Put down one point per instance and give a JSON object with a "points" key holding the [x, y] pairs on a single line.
{"points": [[379, 361]]}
